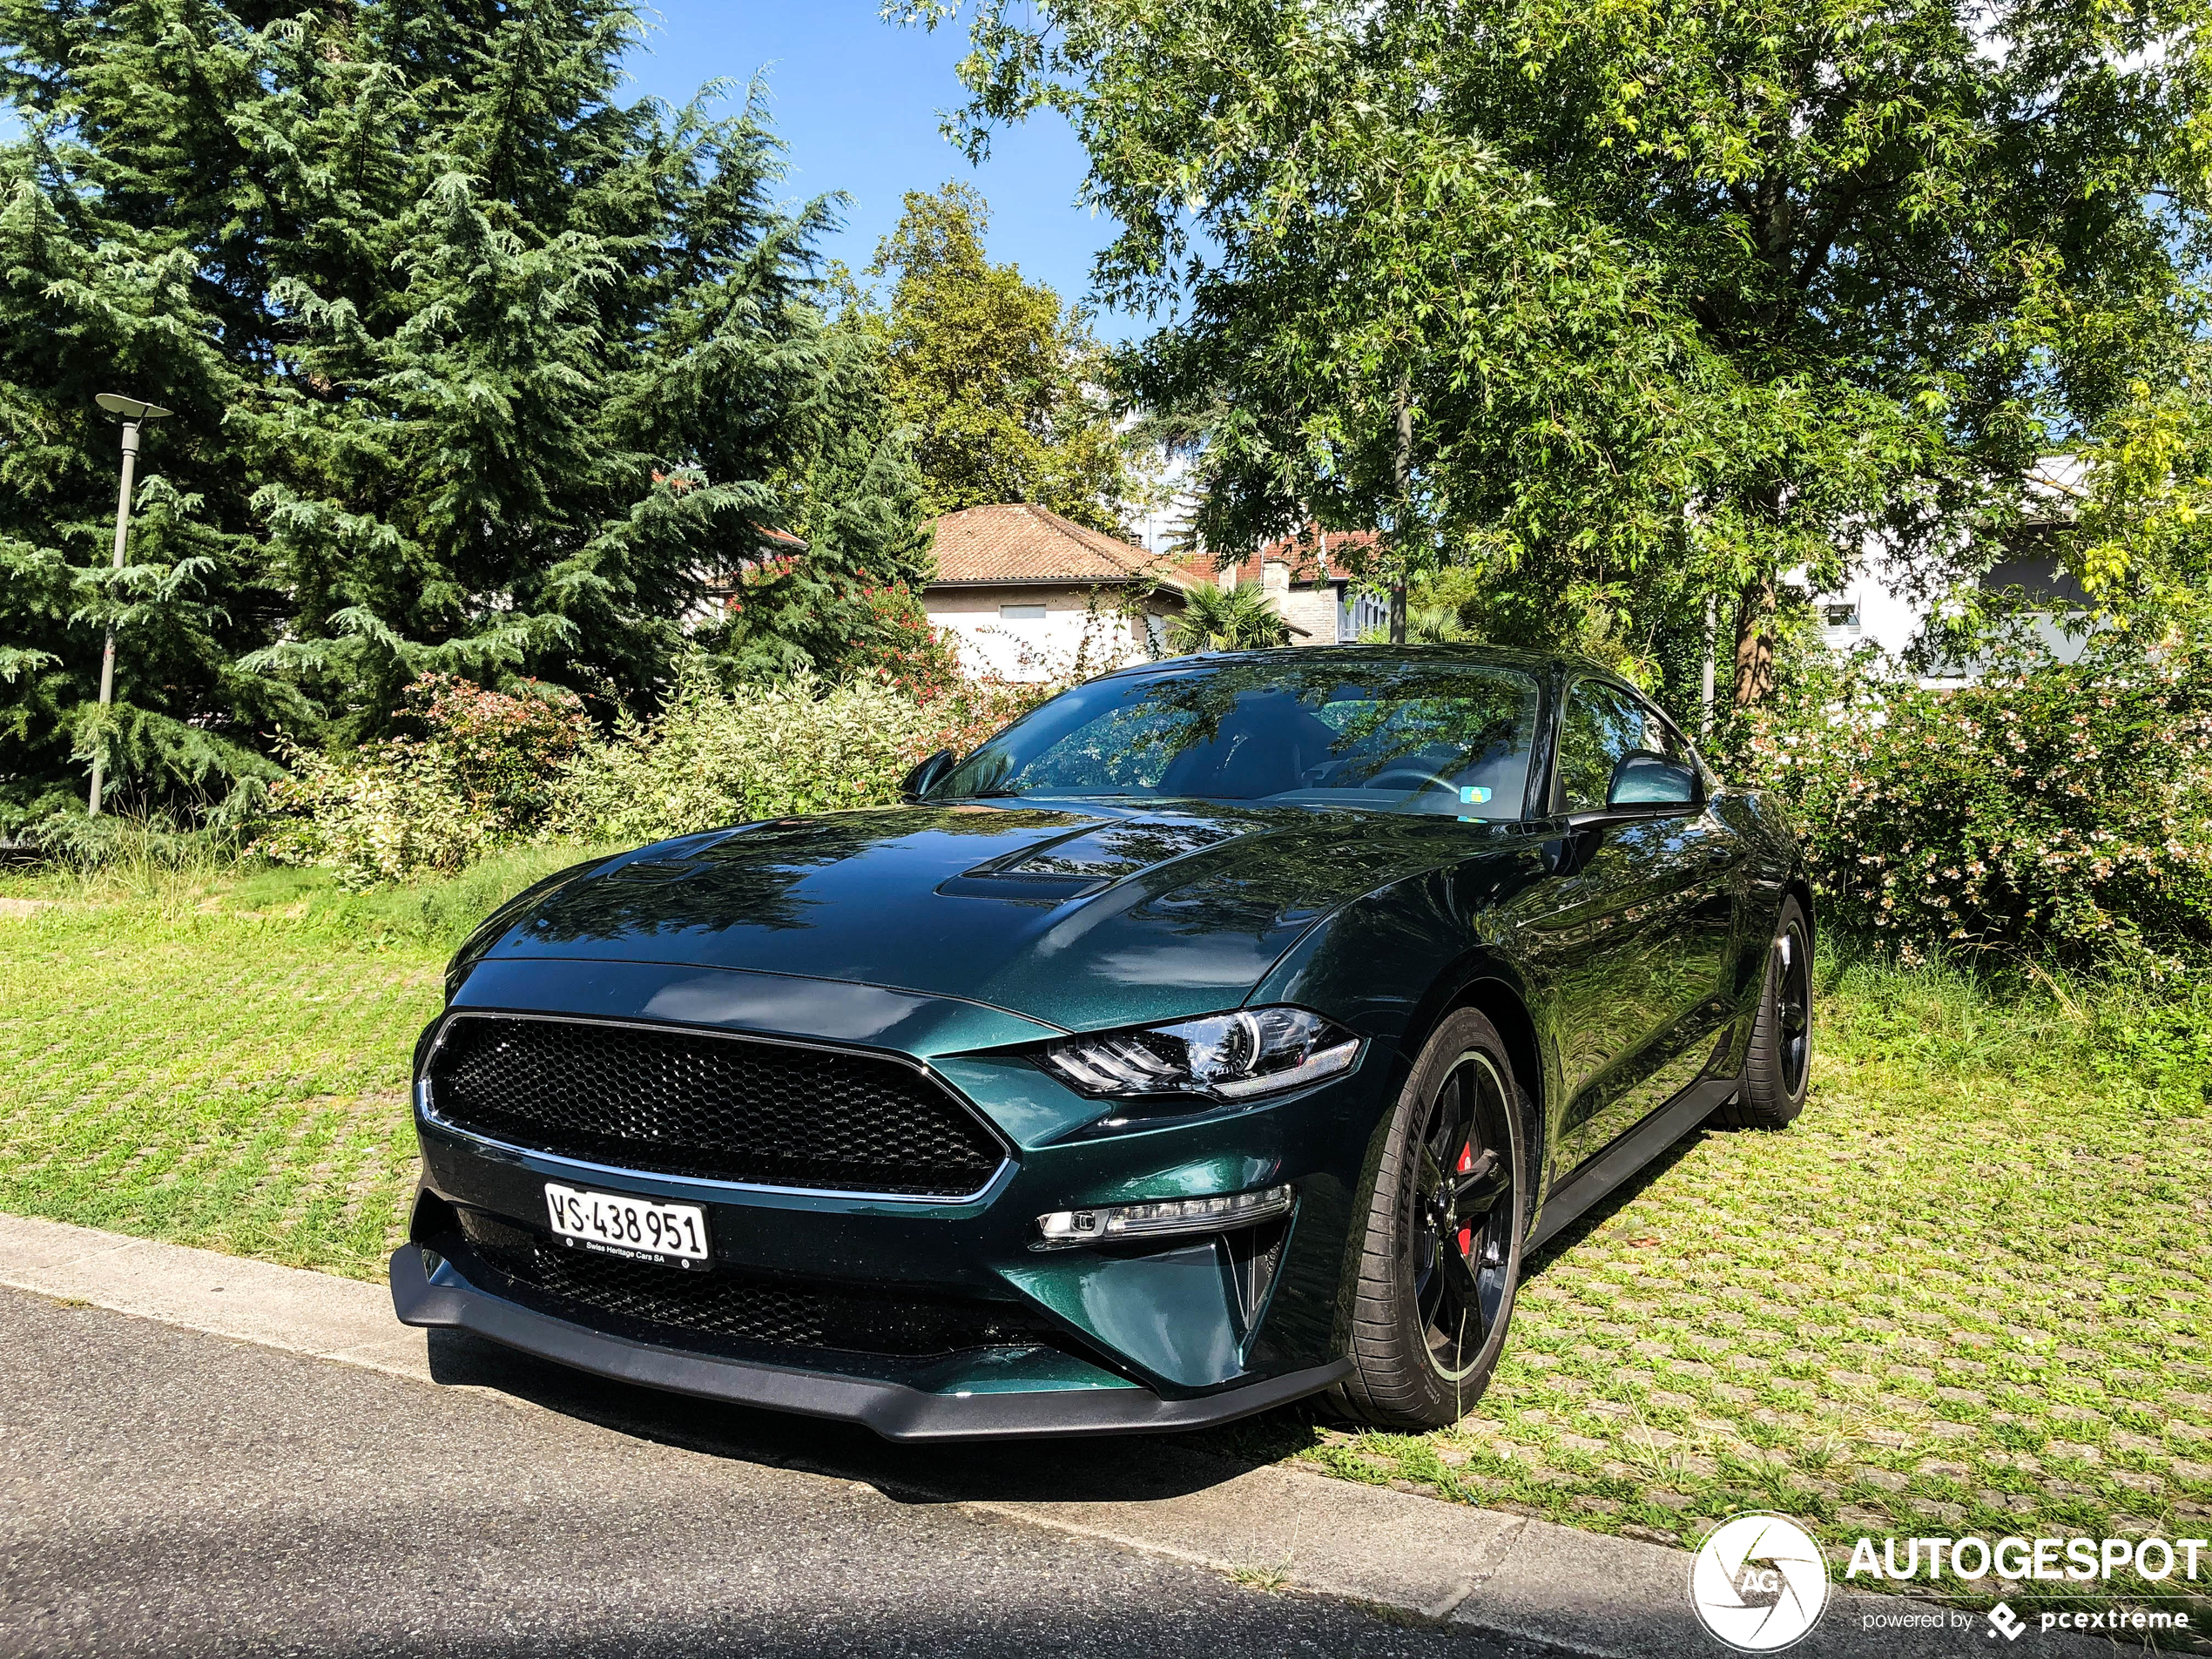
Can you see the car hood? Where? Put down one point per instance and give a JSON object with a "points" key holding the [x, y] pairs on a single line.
{"points": [[1077, 916]]}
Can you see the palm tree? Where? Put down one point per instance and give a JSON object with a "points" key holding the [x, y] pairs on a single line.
{"points": [[1435, 625], [1238, 619]]}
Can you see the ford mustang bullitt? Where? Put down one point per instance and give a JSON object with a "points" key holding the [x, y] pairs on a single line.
{"points": [[1228, 1030]]}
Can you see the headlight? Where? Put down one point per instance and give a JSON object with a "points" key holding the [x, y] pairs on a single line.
{"points": [[1227, 1056]]}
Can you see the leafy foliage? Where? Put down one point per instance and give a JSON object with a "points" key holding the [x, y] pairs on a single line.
{"points": [[1631, 307], [480, 775], [1238, 619], [712, 757], [2061, 812], [1000, 383], [2139, 536]]}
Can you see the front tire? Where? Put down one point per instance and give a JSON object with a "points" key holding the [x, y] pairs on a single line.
{"points": [[1440, 1258], [1777, 1070]]}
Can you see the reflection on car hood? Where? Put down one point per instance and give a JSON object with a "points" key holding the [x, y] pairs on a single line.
{"points": [[1079, 916]]}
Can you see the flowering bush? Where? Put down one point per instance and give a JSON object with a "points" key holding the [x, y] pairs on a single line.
{"points": [[392, 810], [503, 749], [714, 756], [900, 644], [2064, 812], [493, 769]]}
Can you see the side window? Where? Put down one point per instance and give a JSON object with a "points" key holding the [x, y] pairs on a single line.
{"points": [[1602, 728], [1594, 731]]}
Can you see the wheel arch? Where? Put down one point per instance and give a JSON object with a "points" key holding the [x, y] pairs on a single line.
{"points": [[1799, 886], [1488, 986]]}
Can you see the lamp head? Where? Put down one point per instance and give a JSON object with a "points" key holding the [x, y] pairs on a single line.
{"points": [[130, 408]]}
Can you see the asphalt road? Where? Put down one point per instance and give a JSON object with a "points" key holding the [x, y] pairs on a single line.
{"points": [[167, 1491]]}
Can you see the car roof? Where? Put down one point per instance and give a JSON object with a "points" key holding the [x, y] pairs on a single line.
{"points": [[1538, 662]]}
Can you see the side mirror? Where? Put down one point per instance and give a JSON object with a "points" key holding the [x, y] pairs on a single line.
{"points": [[927, 776], [1642, 778]]}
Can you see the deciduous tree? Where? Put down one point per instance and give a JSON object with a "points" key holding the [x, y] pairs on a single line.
{"points": [[1680, 299], [1001, 382]]}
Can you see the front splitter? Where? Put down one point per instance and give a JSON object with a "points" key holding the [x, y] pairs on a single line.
{"points": [[891, 1409]]}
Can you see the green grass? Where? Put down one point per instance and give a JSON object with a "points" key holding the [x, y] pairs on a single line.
{"points": [[191, 1055], [1969, 1291]]}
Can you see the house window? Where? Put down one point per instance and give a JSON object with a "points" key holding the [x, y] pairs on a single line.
{"points": [[1020, 613], [1842, 614]]}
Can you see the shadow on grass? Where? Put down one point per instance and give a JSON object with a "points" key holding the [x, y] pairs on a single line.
{"points": [[1594, 1219]]}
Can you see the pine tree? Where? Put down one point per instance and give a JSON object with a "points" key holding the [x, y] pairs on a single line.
{"points": [[107, 284], [475, 369], [862, 512]]}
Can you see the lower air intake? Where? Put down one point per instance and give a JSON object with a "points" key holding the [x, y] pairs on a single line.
{"points": [[722, 1312]]}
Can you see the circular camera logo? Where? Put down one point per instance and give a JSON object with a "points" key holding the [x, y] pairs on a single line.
{"points": [[1758, 1583]]}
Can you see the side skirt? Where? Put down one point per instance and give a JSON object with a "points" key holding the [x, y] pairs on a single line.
{"points": [[1630, 1152]]}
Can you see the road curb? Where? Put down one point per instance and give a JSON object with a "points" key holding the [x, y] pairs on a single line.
{"points": [[1417, 1557]]}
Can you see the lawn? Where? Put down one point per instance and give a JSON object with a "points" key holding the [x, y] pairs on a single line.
{"points": [[1969, 1291], [223, 1062]]}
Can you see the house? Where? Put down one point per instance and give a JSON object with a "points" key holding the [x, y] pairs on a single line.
{"points": [[1305, 574], [722, 585], [1876, 605], [1028, 594]]}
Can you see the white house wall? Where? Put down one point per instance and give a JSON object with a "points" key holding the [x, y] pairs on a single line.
{"points": [[1036, 648]]}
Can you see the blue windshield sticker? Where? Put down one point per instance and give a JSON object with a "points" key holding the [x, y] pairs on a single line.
{"points": [[1472, 794]]}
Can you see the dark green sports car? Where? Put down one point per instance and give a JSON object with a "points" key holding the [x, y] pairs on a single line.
{"points": [[1226, 1031]]}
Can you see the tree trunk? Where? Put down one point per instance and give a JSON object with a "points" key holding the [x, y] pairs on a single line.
{"points": [[1404, 503], [1705, 669], [1754, 644]]}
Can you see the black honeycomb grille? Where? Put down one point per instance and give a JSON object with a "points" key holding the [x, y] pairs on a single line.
{"points": [[722, 1108], [720, 1311]]}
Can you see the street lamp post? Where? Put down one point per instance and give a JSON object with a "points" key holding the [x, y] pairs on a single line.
{"points": [[132, 413]]}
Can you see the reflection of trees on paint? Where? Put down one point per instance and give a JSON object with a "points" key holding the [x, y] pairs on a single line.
{"points": [[1312, 863], [751, 879]]}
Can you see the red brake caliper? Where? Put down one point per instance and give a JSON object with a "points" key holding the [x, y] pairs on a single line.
{"points": [[1466, 1163]]}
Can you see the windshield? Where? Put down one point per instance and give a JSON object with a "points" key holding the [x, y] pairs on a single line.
{"points": [[1452, 738]]}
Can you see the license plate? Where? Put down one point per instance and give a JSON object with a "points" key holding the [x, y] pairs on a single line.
{"points": [[617, 1225]]}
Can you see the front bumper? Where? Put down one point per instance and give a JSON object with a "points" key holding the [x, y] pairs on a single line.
{"points": [[1174, 1334], [894, 1410]]}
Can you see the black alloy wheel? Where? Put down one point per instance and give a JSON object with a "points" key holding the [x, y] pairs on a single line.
{"points": [[1778, 1067], [1793, 970], [1465, 1203], [1446, 1219]]}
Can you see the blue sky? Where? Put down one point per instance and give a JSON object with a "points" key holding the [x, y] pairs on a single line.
{"points": [[858, 102]]}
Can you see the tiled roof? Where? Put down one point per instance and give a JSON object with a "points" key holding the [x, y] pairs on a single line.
{"points": [[1012, 541], [1314, 554]]}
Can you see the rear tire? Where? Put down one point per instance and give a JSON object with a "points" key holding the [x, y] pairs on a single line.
{"points": [[1440, 1260], [1777, 1070]]}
